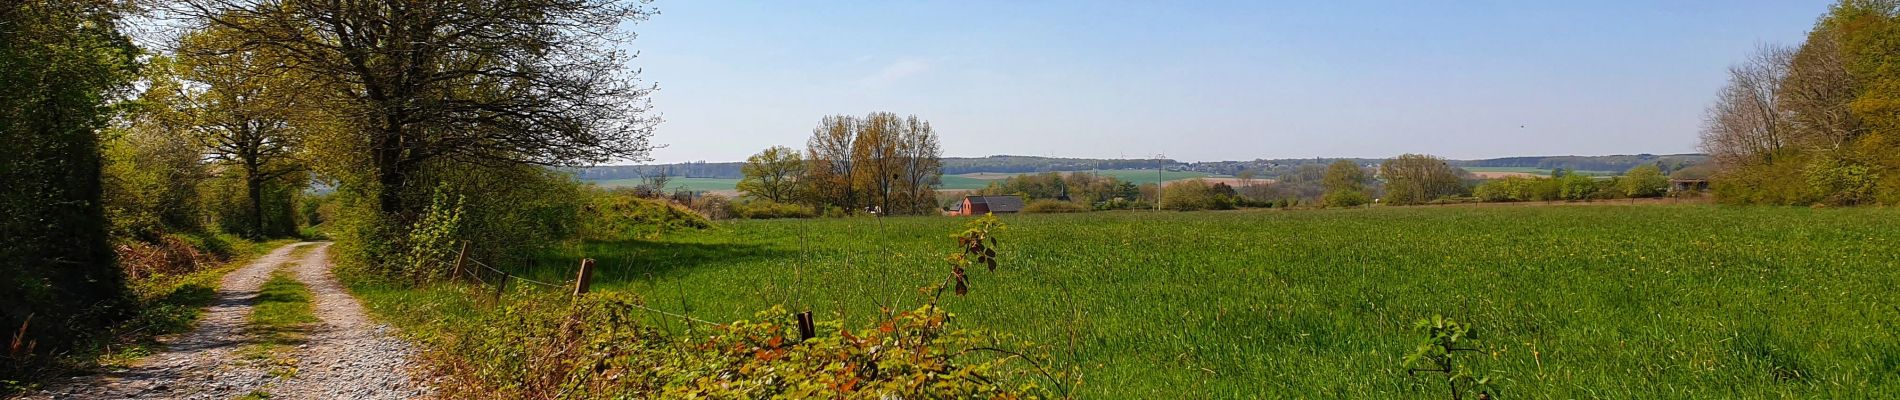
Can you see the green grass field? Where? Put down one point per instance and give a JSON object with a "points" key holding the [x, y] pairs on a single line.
{"points": [[1570, 301]]}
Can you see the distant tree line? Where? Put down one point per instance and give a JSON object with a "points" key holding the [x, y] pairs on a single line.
{"points": [[1816, 123], [880, 162]]}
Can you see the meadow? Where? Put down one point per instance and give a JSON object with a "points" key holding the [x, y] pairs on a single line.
{"points": [[1602, 301]]}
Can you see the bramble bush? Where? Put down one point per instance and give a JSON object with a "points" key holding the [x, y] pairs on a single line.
{"points": [[544, 344]]}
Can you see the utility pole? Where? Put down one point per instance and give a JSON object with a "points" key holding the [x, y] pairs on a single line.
{"points": [[1158, 179]]}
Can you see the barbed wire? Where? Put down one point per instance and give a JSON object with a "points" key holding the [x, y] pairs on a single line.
{"points": [[471, 273], [518, 277]]}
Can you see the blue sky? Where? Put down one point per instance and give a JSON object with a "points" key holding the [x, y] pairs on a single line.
{"points": [[1203, 81]]}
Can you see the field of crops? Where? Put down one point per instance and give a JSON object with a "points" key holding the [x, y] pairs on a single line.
{"points": [[1569, 301]]}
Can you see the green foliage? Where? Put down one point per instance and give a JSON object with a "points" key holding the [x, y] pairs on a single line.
{"points": [[543, 344], [1644, 181], [1833, 124], [618, 214], [1566, 296], [767, 209], [1443, 339], [151, 182], [1346, 198], [63, 68], [1345, 184], [1776, 184], [1418, 178], [1196, 194], [774, 175], [1577, 187], [432, 244], [1074, 186], [1046, 206], [1518, 188], [227, 202], [1840, 181]]}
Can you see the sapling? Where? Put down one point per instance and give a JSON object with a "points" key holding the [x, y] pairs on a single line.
{"points": [[1444, 338]]}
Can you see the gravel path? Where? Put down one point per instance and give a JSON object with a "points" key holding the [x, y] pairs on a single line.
{"points": [[348, 356], [200, 364]]}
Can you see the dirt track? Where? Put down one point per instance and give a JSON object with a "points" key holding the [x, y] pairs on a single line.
{"points": [[347, 356]]}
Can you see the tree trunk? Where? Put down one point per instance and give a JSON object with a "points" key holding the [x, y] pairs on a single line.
{"points": [[255, 186]]}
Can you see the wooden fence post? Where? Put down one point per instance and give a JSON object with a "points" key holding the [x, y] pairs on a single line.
{"points": [[460, 257], [586, 276], [501, 286], [806, 330]]}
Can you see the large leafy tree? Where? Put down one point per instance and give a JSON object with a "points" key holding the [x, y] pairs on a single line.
{"points": [[446, 82], [1419, 178], [243, 111], [63, 67], [773, 174], [881, 159], [1345, 184], [1817, 123]]}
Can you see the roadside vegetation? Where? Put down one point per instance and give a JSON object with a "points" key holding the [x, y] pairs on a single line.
{"points": [[1643, 301]]}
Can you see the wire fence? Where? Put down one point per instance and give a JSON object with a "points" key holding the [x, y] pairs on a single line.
{"points": [[504, 277]]}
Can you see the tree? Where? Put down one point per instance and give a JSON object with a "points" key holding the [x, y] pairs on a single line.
{"points": [[241, 111], [1746, 125], [879, 160], [1418, 178], [1575, 187], [1644, 181], [831, 166], [773, 174], [1345, 184], [64, 67], [491, 82], [923, 165], [875, 154]]}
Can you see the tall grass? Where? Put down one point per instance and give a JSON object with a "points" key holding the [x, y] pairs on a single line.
{"points": [[1571, 302]]}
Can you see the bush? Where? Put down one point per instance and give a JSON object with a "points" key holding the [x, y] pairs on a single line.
{"points": [[767, 209], [1197, 194], [1346, 198], [621, 214], [1046, 206], [1519, 188]]}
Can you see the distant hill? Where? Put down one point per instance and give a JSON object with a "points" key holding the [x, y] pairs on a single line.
{"points": [[1266, 167]]}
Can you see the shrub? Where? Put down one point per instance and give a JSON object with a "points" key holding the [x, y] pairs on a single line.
{"points": [[712, 206], [1053, 206], [621, 214], [767, 209], [1197, 194], [1346, 198]]}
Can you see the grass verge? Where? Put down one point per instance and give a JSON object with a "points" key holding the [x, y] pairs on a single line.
{"points": [[280, 320]]}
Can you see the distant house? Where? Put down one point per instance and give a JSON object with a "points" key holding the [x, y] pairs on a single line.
{"points": [[979, 205]]}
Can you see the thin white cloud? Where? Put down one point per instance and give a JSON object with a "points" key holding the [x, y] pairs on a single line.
{"points": [[896, 71]]}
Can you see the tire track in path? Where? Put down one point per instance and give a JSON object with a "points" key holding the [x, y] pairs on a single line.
{"points": [[348, 356]]}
